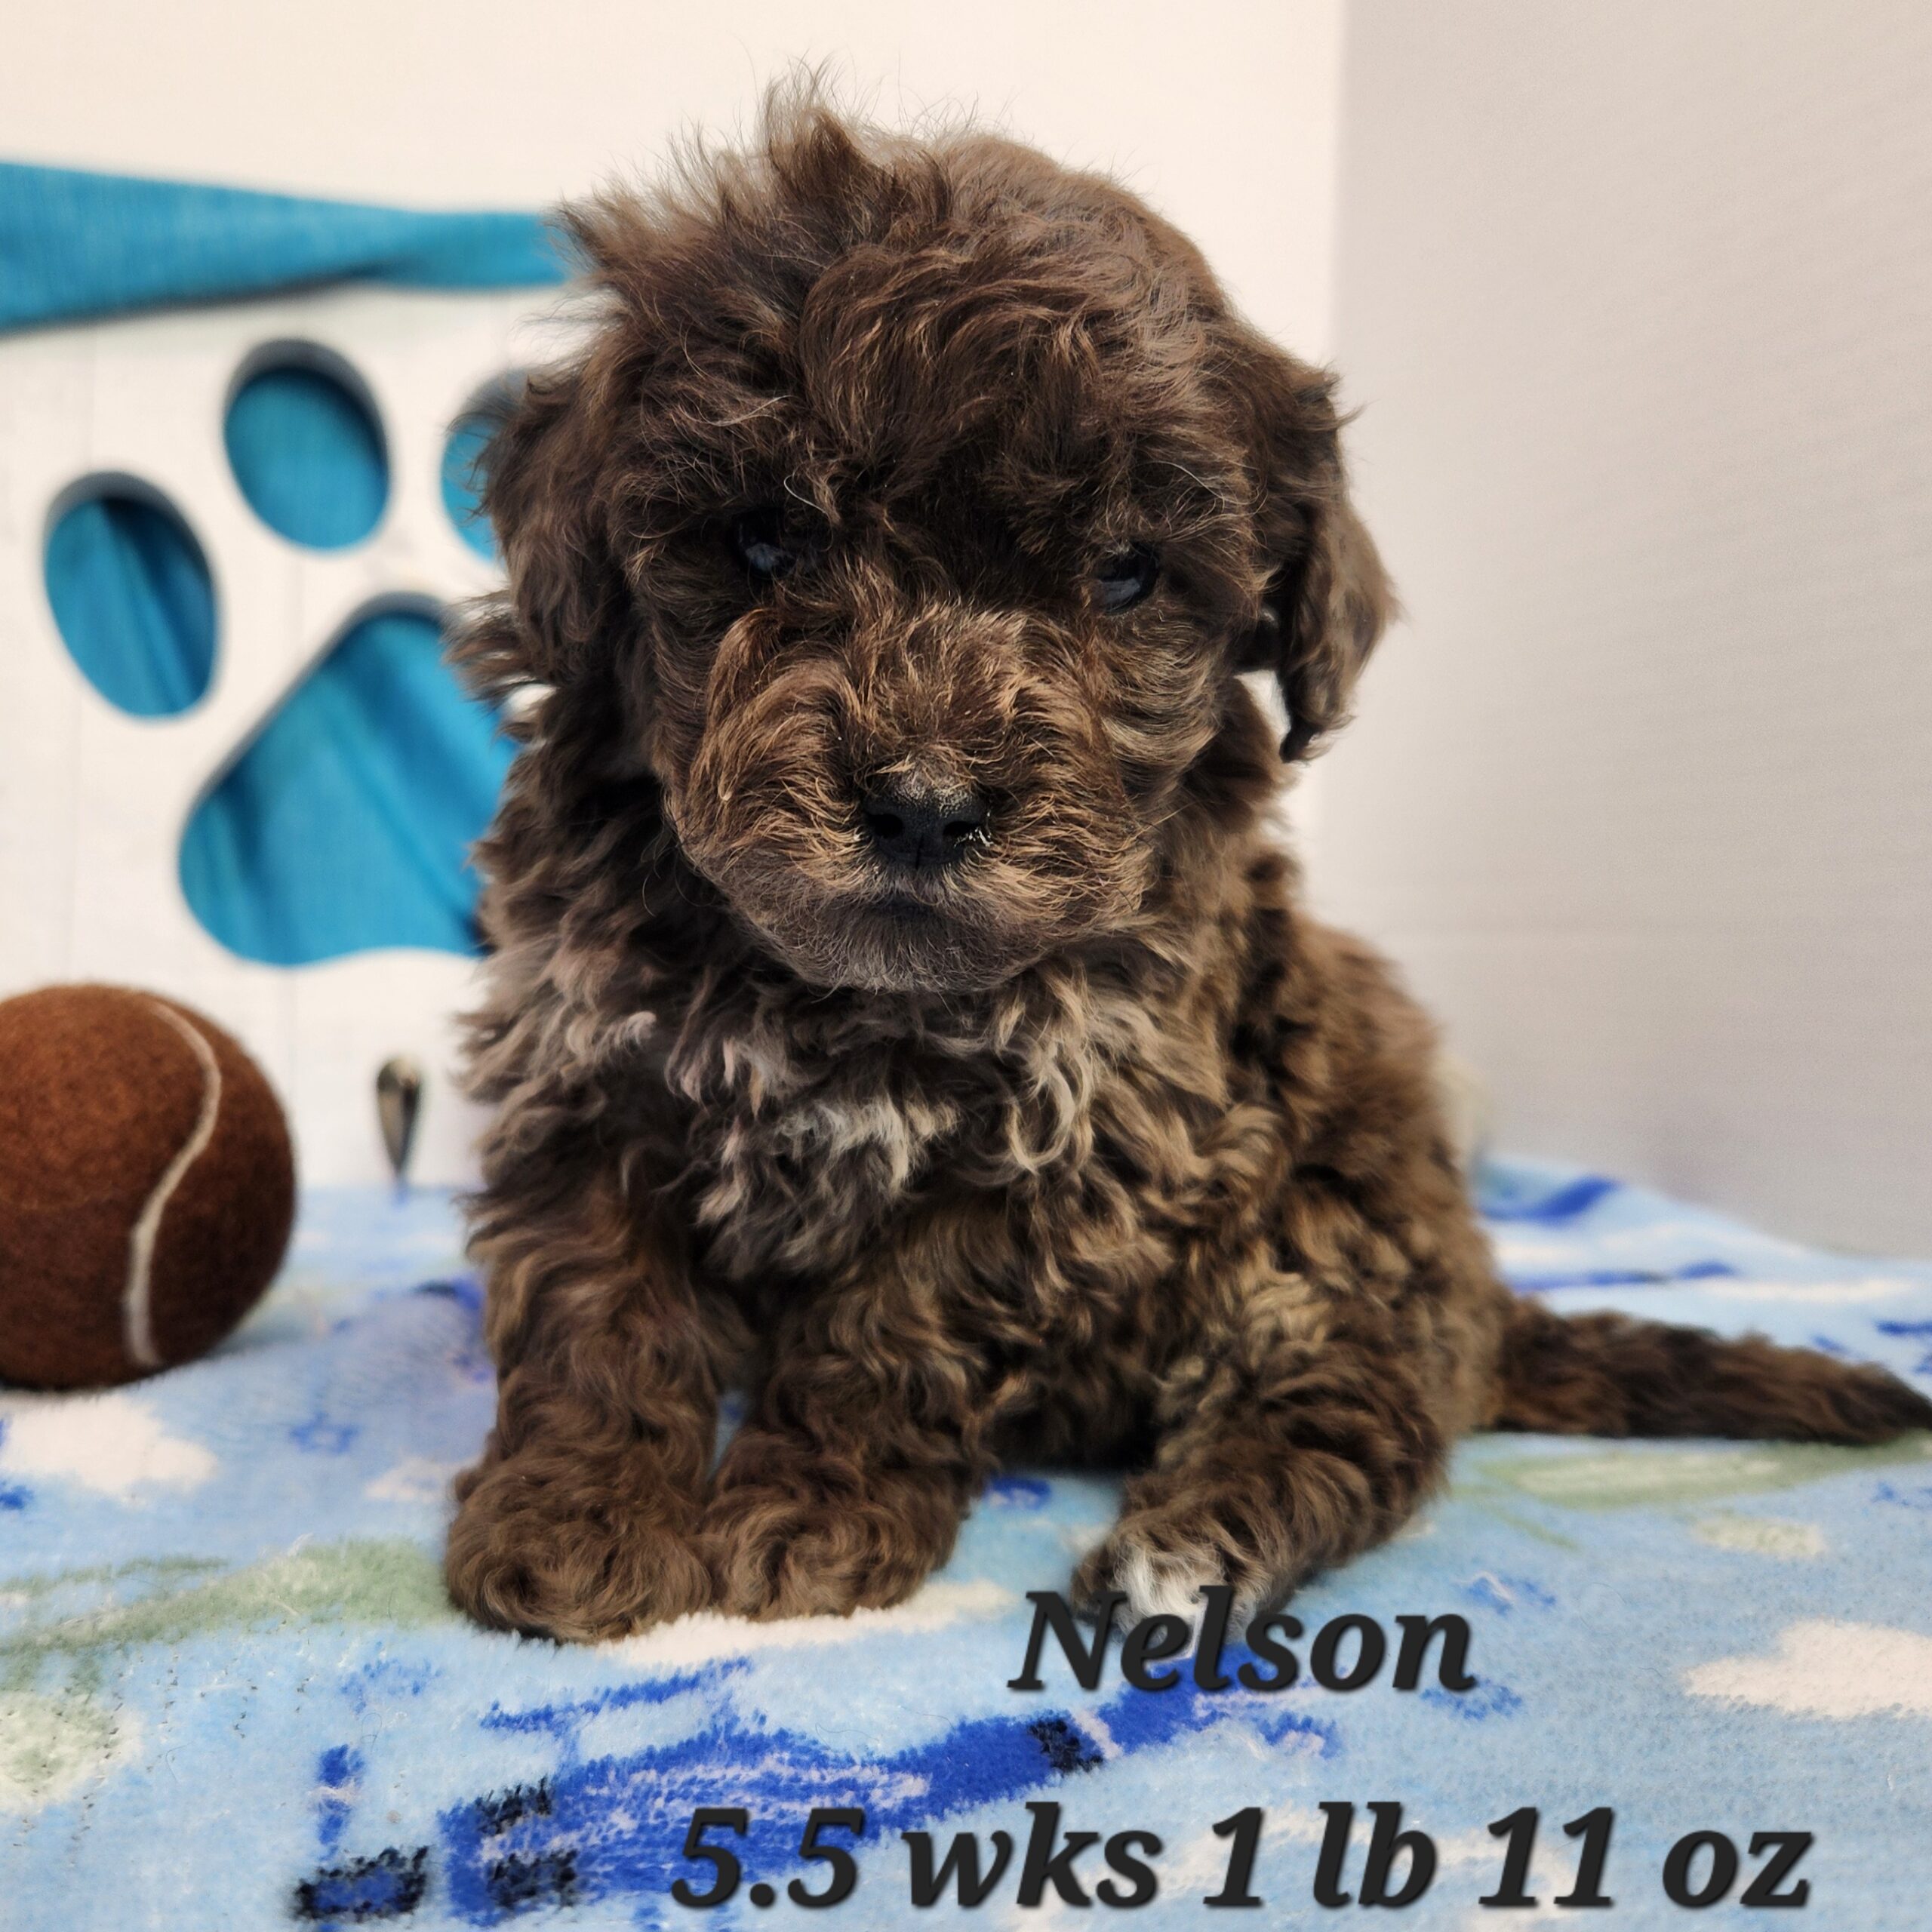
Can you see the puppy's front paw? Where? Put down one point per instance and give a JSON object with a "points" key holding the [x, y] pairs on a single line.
{"points": [[577, 1563], [1160, 1562], [775, 1553]]}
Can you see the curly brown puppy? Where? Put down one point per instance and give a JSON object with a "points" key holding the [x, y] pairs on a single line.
{"points": [[896, 1000]]}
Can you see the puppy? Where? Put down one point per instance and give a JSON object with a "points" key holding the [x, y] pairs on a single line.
{"points": [[896, 1002]]}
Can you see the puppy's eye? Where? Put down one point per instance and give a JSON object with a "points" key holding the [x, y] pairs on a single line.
{"points": [[1123, 579], [759, 542]]}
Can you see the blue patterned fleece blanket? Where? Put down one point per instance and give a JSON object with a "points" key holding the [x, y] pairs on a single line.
{"points": [[232, 1693]]}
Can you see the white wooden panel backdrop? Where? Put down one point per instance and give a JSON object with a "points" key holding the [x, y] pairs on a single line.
{"points": [[92, 802]]}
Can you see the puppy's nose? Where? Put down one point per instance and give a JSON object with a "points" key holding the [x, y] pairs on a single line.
{"points": [[922, 831]]}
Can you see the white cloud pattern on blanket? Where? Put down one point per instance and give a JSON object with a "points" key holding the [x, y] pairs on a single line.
{"points": [[111, 1444], [1826, 1668], [50, 1746]]}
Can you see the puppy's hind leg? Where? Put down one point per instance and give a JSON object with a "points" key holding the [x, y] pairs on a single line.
{"points": [[578, 1522]]}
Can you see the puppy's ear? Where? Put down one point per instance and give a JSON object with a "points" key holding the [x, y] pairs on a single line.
{"points": [[547, 495], [1328, 599]]}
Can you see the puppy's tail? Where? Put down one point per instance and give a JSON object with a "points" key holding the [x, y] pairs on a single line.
{"points": [[1609, 1375]]}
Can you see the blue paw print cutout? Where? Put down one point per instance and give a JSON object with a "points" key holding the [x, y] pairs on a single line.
{"points": [[343, 824]]}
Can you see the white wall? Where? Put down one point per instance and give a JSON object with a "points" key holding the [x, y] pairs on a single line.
{"points": [[1224, 111], [1638, 301], [1230, 126]]}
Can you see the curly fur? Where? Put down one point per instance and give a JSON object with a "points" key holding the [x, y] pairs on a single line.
{"points": [[1092, 1145]]}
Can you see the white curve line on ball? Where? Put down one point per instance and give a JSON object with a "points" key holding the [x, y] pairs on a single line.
{"points": [[135, 1302]]}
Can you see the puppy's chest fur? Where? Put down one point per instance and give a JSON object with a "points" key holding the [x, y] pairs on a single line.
{"points": [[812, 1136], [795, 1174]]}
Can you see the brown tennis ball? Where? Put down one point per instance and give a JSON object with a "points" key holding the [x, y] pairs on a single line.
{"points": [[147, 1185]]}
